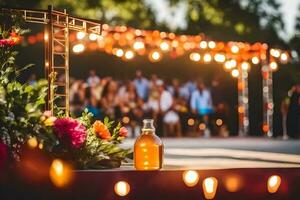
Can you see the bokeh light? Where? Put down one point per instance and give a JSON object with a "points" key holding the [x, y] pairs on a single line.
{"points": [[60, 173], [93, 37], [195, 56], [203, 44], [273, 66], [209, 186], [207, 58], [255, 60], [78, 48], [190, 178], [273, 184], [155, 56], [129, 54], [235, 49], [164, 46], [235, 73], [220, 58], [122, 188], [80, 35], [32, 142]]}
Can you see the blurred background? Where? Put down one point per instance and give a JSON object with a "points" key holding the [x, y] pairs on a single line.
{"points": [[275, 22]]}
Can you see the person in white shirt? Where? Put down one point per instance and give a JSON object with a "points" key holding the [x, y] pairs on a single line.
{"points": [[202, 105], [93, 80], [169, 116]]}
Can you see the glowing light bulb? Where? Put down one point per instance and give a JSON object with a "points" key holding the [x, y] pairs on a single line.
{"points": [[207, 58], [283, 57], [119, 53], [164, 46], [219, 122], [190, 178], [93, 36], [46, 36], [202, 127], [211, 44], [235, 49], [273, 184], [203, 45], [245, 66], [273, 66], [209, 186], [255, 60], [155, 56], [191, 122], [275, 53], [195, 57], [235, 73], [80, 35], [78, 48], [138, 45], [220, 58], [122, 188], [129, 54]]}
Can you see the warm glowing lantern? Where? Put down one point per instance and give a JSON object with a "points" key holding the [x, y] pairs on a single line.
{"points": [[255, 60], [32, 142], [207, 58], [80, 35], [122, 188], [202, 126], [61, 173], [78, 48], [273, 183], [273, 66], [191, 122], [235, 49], [93, 37], [190, 178], [195, 57], [219, 122], [209, 186], [235, 73], [220, 58], [129, 54]]}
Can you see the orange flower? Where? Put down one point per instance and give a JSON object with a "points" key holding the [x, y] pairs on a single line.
{"points": [[101, 130]]}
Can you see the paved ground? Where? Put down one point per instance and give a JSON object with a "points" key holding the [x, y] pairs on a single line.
{"points": [[233, 152]]}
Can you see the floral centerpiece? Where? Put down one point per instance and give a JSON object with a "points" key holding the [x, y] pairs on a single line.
{"points": [[82, 141]]}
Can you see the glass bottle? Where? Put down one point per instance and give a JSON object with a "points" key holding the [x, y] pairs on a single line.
{"points": [[148, 148]]}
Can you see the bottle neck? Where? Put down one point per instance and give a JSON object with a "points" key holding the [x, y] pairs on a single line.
{"points": [[148, 131]]}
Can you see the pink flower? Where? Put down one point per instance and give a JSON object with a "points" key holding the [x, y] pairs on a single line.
{"points": [[70, 132], [6, 42], [3, 155], [123, 132]]}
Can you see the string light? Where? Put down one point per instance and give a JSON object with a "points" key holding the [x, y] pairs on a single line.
{"points": [[207, 58], [203, 45], [235, 49], [78, 48], [195, 57], [273, 66], [93, 37], [283, 57], [191, 122], [164, 46], [220, 58], [211, 44], [255, 60], [235, 73], [119, 53], [245, 66], [219, 122], [155, 56], [138, 45], [129, 54], [32, 142], [80, 35], [275, 53]]}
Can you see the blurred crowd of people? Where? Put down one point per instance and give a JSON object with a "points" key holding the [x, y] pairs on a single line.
{"points": [[178, 108]]}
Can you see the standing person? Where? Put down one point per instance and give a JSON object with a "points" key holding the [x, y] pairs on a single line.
{"points": [[32, 79], [141, 85], [293, 115], [110, 101], [93, 80], [170, 117], [202, 106]]}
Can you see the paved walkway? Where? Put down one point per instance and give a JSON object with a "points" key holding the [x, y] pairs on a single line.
{"points": [[216, 153]]}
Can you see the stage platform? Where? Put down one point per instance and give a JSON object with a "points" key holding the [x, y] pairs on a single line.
{"points": [[241, 166]]}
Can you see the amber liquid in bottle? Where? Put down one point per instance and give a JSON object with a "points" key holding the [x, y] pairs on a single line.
{"points": [[148, 148]]}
